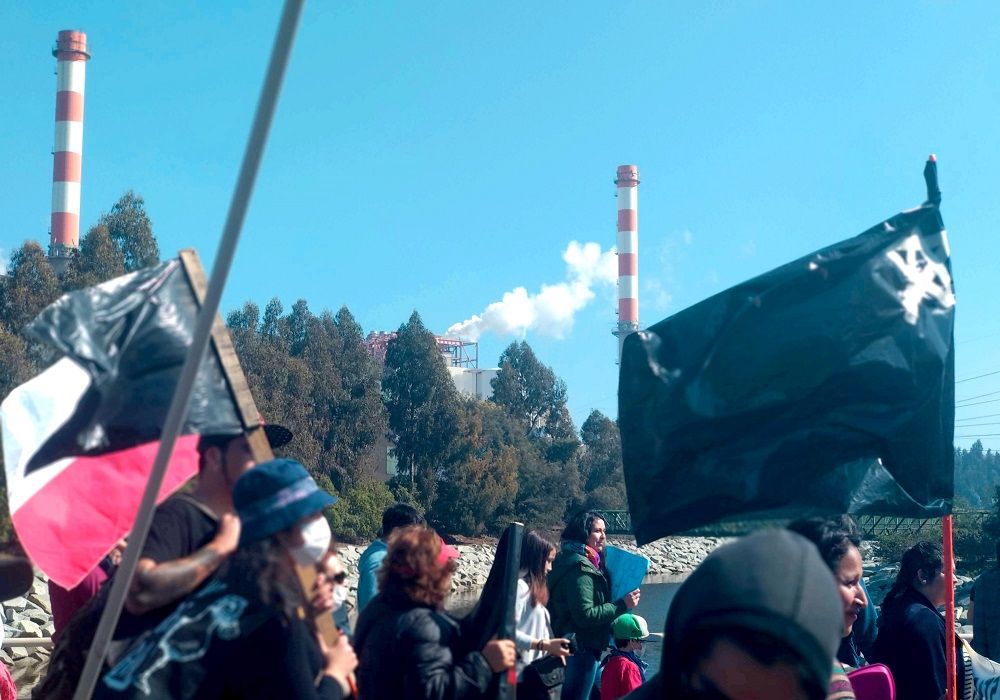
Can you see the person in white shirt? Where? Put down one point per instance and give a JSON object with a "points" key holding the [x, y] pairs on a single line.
{"points": [[534, 631]]}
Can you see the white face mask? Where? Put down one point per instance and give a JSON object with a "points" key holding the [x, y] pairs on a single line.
{"points": [[339, 596], [316, 538]]}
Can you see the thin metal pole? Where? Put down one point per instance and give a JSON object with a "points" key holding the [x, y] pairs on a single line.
{"points": [[206, 316]]}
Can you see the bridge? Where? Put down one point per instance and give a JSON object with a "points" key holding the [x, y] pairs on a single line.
{"points": [[619, 522]]}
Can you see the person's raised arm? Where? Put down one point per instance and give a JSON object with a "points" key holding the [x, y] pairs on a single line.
{"points": [[156, 584]]}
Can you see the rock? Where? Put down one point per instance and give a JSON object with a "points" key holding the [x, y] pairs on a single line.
{"points": [[15, 604], [29, 629]]}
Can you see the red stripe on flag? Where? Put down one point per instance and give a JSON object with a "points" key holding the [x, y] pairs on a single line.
{"points": [[69, 524]]}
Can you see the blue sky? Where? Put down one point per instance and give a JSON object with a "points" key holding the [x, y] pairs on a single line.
{"points": [[438, 155]]}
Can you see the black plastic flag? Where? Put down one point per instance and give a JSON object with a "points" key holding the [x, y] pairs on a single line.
{"points": [[823, 386]]}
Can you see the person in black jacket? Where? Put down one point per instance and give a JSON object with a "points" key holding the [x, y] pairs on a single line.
{"points": [[911, 635], [407, 645], [249, 632]]}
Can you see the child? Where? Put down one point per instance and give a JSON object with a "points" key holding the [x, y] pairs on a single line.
{"points": [[623, 670]]}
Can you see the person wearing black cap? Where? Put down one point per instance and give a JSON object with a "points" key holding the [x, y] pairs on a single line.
{"points": [[759, 618], [249, 632]]}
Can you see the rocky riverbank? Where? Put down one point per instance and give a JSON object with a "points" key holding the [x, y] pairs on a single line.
{"points": [[28, 618]]}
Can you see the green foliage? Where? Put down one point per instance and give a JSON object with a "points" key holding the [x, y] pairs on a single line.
{"points": [[546, 490], [131, 231], [422, 408], [346, 391], [601, 471], [30, 285], [889, 547], [98, 260], [357, 516], [530, 392], [478, 490], [974, 543], [977, 474]]}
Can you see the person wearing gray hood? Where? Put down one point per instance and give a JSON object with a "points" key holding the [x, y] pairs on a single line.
{"points": [[759, 618]]}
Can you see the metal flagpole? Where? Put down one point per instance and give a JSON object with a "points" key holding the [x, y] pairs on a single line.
{"points": [[178, 407]]}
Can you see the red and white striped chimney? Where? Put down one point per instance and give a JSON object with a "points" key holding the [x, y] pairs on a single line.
{"points": [[71, 57], [627, 180]]}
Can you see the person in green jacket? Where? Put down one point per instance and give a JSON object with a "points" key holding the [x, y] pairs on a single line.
{"points": [[580, 600]]}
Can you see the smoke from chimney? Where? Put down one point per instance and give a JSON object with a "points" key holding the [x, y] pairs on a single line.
{"points": [[551, 310]]}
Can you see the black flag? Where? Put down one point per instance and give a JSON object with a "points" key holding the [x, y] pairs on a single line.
{"points": [[823, 386]]}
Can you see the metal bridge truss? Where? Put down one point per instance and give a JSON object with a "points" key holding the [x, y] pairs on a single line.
{"points": [[619, 522]]}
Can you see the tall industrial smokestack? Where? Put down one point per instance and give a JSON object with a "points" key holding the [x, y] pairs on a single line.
{"points": [[627, 180], [71, 68]]}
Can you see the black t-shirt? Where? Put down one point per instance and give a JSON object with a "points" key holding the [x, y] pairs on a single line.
{"points": [[181, 526]]}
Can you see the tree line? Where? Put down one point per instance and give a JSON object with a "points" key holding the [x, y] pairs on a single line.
{"points": [[471, 465]]}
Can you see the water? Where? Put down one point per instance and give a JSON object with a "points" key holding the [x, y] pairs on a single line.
{"points": [[653, 606]]}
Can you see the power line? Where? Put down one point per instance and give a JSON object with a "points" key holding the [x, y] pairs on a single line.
{"points": [[977, 403], [975, 425], [970, 398], [978, 436], [988, 415], [980, 376]]}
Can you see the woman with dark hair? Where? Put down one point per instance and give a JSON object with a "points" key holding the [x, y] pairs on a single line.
{"points": [[249, 633], [534, 629], [838, 542], [407, 645], [911, 637], [580, 600]]}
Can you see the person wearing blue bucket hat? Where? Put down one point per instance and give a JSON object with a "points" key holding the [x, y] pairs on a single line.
{"points": [[249, 633]]}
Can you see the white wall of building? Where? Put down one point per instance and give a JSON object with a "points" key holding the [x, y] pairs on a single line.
{"points": [[474, 382]]}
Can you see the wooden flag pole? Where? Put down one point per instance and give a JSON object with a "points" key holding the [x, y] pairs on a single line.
{"points": [[199, 342], [222, 345], [949, 608]]}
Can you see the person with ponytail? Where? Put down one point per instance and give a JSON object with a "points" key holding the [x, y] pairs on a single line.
{"points": [[912, 633], [534, 629]]}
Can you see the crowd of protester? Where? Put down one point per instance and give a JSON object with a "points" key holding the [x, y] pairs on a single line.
{"points": [[218, 609]]}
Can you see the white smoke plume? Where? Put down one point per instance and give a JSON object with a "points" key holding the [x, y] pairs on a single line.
{"points": [[3, 261], [551, 310]]}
